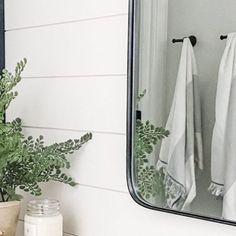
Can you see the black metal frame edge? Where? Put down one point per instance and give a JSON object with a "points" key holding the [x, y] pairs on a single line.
{"points": [[129, 129]]}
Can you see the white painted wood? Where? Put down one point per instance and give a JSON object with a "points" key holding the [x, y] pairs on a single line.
{"points": [[93, 103], [100, 163], [41, 12], [94, 47], [88, 212]]}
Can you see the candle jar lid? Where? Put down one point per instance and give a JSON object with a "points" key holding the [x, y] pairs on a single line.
{"points": [[43, 208]]}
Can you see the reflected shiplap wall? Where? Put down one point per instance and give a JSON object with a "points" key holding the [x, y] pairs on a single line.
{"points": [[75, 82]]}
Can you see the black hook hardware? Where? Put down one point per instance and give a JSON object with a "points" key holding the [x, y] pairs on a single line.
{"points": [[192, 38], [222, 37]]}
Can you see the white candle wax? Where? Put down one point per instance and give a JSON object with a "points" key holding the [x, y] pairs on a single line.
{"points": [[43, 218]]}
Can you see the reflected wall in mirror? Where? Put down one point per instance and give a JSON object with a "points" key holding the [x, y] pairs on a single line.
{"points": [[184, 106]]}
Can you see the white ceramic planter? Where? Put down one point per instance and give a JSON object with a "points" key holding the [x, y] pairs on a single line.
{"points": [[9, 213]]}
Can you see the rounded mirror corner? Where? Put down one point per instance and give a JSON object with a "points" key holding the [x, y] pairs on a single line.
{"points": [[131, 119]]}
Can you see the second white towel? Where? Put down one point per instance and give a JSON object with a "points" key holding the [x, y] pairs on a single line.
{"points": [[223, 160]]}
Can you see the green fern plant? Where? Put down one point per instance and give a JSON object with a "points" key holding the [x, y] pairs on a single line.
{"points": [[26, 162], [150, 182]]}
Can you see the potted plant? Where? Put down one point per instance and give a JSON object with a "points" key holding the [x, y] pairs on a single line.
{"points": [[26, 162]]}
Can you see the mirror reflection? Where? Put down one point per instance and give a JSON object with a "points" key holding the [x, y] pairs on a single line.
{"points": [[185, 97]]}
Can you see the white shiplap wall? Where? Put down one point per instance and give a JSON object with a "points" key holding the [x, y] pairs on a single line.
{"points": [[75, 81]]}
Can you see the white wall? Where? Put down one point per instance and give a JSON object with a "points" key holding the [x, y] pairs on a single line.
{"points": [[75, 82]]}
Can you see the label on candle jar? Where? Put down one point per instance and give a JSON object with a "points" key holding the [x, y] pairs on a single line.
{"points": [[30, 230]]}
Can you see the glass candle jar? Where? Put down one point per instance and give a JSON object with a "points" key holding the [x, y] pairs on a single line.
{"points": [[43, 218]]}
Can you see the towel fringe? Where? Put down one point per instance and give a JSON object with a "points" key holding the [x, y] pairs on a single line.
{"points": [[216, 190], [175, 193]]}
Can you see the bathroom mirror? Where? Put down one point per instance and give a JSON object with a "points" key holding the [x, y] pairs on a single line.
{"points": [[181, 152]]}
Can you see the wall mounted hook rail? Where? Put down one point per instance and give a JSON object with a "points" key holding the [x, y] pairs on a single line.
{"points": [[193, 40], [222, 37]]}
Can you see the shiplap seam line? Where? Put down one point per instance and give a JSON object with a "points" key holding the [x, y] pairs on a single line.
{"points": [[75, 130], [73, 76], [103, 188], [66, 22]]}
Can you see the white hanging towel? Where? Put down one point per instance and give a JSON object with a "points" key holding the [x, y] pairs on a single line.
{"points": [[183, 147], [223, 160]]}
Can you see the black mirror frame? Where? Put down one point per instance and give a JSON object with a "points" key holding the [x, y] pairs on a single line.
{"points": [[130, 129]]}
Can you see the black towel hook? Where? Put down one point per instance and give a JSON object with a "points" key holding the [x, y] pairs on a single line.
{"points": [[222, 37], [192, 38]]}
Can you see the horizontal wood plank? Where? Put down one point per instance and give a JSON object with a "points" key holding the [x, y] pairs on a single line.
{"points": [[97, 104], [28, 13], [97, 47], [100, 163]]}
